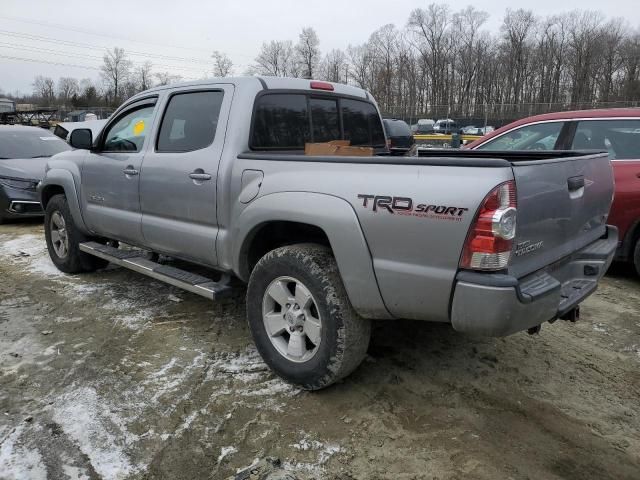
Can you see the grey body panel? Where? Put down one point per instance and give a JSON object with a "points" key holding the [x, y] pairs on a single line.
{"points": [[548, 211], [182, 204], [109, 196], [415, 258], [64, 172], [335, 217], [394, 264]]}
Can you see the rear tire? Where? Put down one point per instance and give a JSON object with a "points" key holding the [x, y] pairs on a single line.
{"points": [[315, 341], [64, 239], [636, 256]]}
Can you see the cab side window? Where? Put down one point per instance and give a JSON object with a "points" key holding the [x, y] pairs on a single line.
{"points": [[190, 121], [540, 136], [128, 133], [621, 138]]}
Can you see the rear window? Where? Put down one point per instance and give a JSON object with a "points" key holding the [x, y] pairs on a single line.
{"points": [[621, 138], [284, 121], [190, 121]]}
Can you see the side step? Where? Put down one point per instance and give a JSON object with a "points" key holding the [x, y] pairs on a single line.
{"points": [[133, 260]]}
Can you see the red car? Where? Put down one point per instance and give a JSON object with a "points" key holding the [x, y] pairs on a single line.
{"points": [[616, 130]]}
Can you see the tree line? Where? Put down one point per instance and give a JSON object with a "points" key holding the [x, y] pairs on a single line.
{"points": [[441, 60]]}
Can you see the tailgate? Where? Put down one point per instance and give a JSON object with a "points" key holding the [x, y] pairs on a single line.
{"points": [[563, 204]]}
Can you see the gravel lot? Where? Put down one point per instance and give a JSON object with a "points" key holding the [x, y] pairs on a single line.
{"points": [[111, 375]]}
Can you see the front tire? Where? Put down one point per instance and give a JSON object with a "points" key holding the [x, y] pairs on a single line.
{"points": [[301, 319], [64, 239]]}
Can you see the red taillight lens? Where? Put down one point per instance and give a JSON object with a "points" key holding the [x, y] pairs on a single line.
{"points": [[490, 238], [321, 86]]}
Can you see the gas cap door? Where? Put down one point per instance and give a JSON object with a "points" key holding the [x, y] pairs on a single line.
{"points": [[250, 185]]}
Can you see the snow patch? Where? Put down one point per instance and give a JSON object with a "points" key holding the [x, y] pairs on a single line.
{"points": [[30, 251], [322, 452], [225, 452], [18, 461], [97, 432]]}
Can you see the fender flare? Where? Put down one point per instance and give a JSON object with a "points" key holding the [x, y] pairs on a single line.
{"points": [[337, 219], [58, 177]]}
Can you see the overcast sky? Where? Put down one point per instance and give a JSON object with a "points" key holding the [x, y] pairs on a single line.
{"points": [[76, 32]]}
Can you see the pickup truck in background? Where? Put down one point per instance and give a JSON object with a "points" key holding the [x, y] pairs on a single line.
{"points": [[212, 173]]}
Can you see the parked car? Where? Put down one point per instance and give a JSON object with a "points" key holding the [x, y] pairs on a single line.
{"points": [[64, 129], [446, 125], [473, 130], [24, 152], [399, 137], [616, 131], [214, 173], [423, 129]]}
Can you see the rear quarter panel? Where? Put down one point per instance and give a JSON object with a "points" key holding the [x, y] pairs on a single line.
{"points": [[415, 255]]}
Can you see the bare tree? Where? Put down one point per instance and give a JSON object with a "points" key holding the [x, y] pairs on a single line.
{"points": [[44, 89], [67, 88], [308, 52], [115, 71], [222, 64], [431, 34], [143, 77], [335, 67], [275, 59]]}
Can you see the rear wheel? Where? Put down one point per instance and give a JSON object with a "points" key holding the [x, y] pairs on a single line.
{"points": [[636, 256], [301, 319], [64, 239]]}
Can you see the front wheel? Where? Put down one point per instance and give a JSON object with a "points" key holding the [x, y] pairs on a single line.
{"points": [[301, 319], [64, 239]]}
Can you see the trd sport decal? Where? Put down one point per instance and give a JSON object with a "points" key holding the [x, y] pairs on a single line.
{"points": [[405, 206]]}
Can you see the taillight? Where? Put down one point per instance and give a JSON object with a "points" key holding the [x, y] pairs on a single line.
{"points": [[490, 238], [321, 86]]}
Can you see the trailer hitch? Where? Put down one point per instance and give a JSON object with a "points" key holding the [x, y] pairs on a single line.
{"points": [[572, 315]]}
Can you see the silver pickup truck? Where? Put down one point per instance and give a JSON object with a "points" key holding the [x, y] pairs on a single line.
{"points": [[213, 175]]}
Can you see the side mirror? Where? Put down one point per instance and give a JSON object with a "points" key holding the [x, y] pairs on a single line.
{"points": [[81, 138]]}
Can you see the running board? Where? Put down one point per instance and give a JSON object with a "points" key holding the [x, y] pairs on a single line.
{"points": [[134, 260]]}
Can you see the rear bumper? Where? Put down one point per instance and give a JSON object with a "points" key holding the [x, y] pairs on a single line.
{"points": [[499, 304]]}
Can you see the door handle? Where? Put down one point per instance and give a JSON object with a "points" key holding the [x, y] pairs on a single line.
{"points": [[199, 176], [130, 170]]}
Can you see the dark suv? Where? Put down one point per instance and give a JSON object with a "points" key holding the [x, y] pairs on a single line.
{"points": [[399, 137]]}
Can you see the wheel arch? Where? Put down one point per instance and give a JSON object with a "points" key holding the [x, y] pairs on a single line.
{"points": [[316, 218], [629, 241], [59, 181]]}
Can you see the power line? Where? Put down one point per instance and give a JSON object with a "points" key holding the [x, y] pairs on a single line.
{"points": [[99, 34], [115, 37], [29, 48], [22, 59], [40, 38]]}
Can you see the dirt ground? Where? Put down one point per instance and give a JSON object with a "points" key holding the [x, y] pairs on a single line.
{"points": [[111, 375]]}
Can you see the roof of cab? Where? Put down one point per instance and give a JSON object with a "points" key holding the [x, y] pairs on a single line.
{"points": [[280, 83]]}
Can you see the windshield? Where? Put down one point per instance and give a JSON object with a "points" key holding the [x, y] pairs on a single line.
{"points": [[29, 143]]}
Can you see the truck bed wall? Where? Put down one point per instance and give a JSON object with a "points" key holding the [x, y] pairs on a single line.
{"points": [[415, 254]]}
